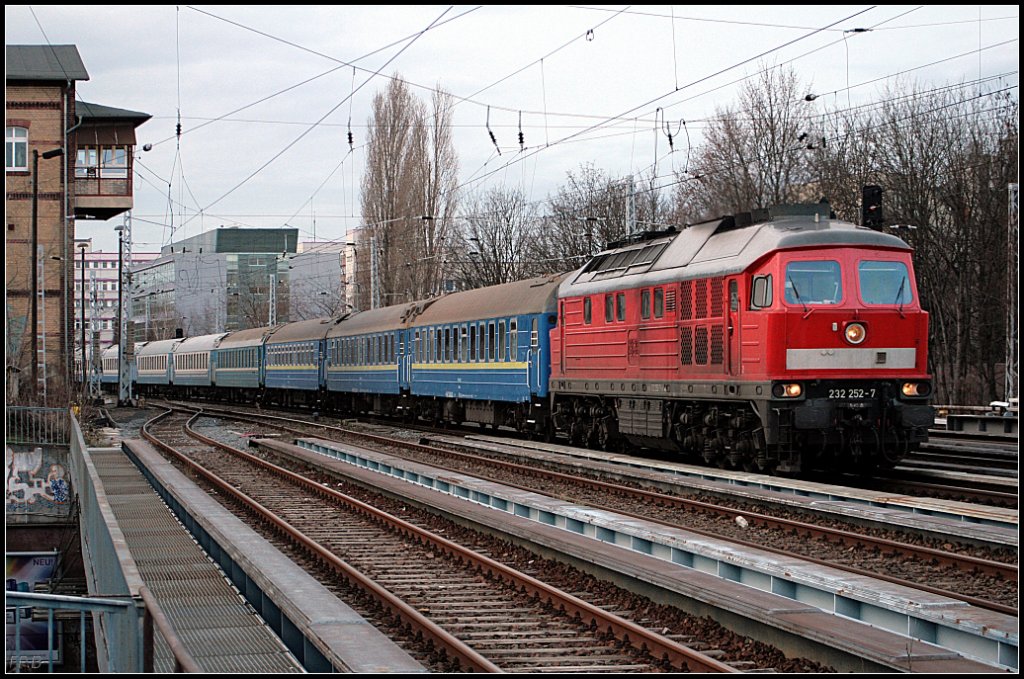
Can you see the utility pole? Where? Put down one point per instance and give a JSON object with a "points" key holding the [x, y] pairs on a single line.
{"points": [[95, 368], [631, 208], [1013, 272], [81, 309], [125, 338], [272, 300]]}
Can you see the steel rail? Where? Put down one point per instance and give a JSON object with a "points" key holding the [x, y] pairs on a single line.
{"points": [[963, 562], [455, 647], [657, 645]]}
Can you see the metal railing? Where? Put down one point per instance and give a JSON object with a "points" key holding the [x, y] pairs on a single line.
{"points": [[121, 629], [110, 569], [37, 426], [121, 614]]}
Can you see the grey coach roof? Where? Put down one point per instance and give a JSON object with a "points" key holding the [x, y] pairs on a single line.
{"points": [[385, 319], [199, 343], [532, 296], [250, 337], [45, 62], [298, 331]]}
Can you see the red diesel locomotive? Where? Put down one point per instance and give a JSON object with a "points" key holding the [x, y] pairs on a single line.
{"points": [[778, 340]]}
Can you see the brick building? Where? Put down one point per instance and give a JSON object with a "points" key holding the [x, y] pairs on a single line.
{"points": [[49, 184]]}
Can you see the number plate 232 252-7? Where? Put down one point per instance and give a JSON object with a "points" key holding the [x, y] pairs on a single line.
{"points": [[851, 393]]}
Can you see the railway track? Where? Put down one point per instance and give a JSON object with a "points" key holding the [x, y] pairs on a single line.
{"points": [[984, 582], [484, 615]]}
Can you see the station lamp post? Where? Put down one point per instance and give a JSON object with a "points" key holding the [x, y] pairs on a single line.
{"points": [[81, 303], [34, 335]]}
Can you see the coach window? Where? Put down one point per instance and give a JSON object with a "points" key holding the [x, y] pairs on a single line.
{"points": [[534, 334], [761, 292], [620, 306], [472, 342], [501, 340], [438, 346], [491, 343], [609, 308], [586, 310], [645, 304], [464, 343], [659, 302], [513, 340]]}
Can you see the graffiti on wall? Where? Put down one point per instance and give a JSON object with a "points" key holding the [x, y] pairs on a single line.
{"points": [[35, 481]]}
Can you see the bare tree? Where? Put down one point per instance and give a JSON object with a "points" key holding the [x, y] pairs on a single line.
{"points": [[318, 301], [253, 303], [408, 196], [753, 155], [589, 211], [492, 245], [944, 160]]}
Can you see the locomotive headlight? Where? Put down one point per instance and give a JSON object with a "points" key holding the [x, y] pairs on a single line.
{"points": [[916, 388], [791, 390], [855, 333]]}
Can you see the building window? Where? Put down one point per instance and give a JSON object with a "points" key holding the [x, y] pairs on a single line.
{"points": [[17, 149], [115, 163], [87, 162]]}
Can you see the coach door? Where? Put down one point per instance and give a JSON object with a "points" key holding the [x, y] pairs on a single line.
{"points": [[405, 355], [733, 326]]}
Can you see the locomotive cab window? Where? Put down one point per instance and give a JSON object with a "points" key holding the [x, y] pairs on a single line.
{"points": [[884, 282], [812, 283]]}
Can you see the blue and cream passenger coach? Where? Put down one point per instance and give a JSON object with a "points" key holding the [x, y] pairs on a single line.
{"points": [[238, 364], [293, 357], [483, 355], [366, 363]]}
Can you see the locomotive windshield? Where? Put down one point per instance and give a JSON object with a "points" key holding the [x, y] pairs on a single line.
{"points": [[813, 283], [884, 283]]}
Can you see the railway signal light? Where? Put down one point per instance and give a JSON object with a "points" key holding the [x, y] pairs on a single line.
{"points": [[871, 207]]}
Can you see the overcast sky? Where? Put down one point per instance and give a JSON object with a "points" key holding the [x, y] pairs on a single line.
{"points": [[266, 96]]}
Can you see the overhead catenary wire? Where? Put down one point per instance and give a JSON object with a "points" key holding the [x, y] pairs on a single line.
{"points": [[329, 112]]}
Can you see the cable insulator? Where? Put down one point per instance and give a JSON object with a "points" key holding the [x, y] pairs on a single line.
{"points": [[493, 138]]}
